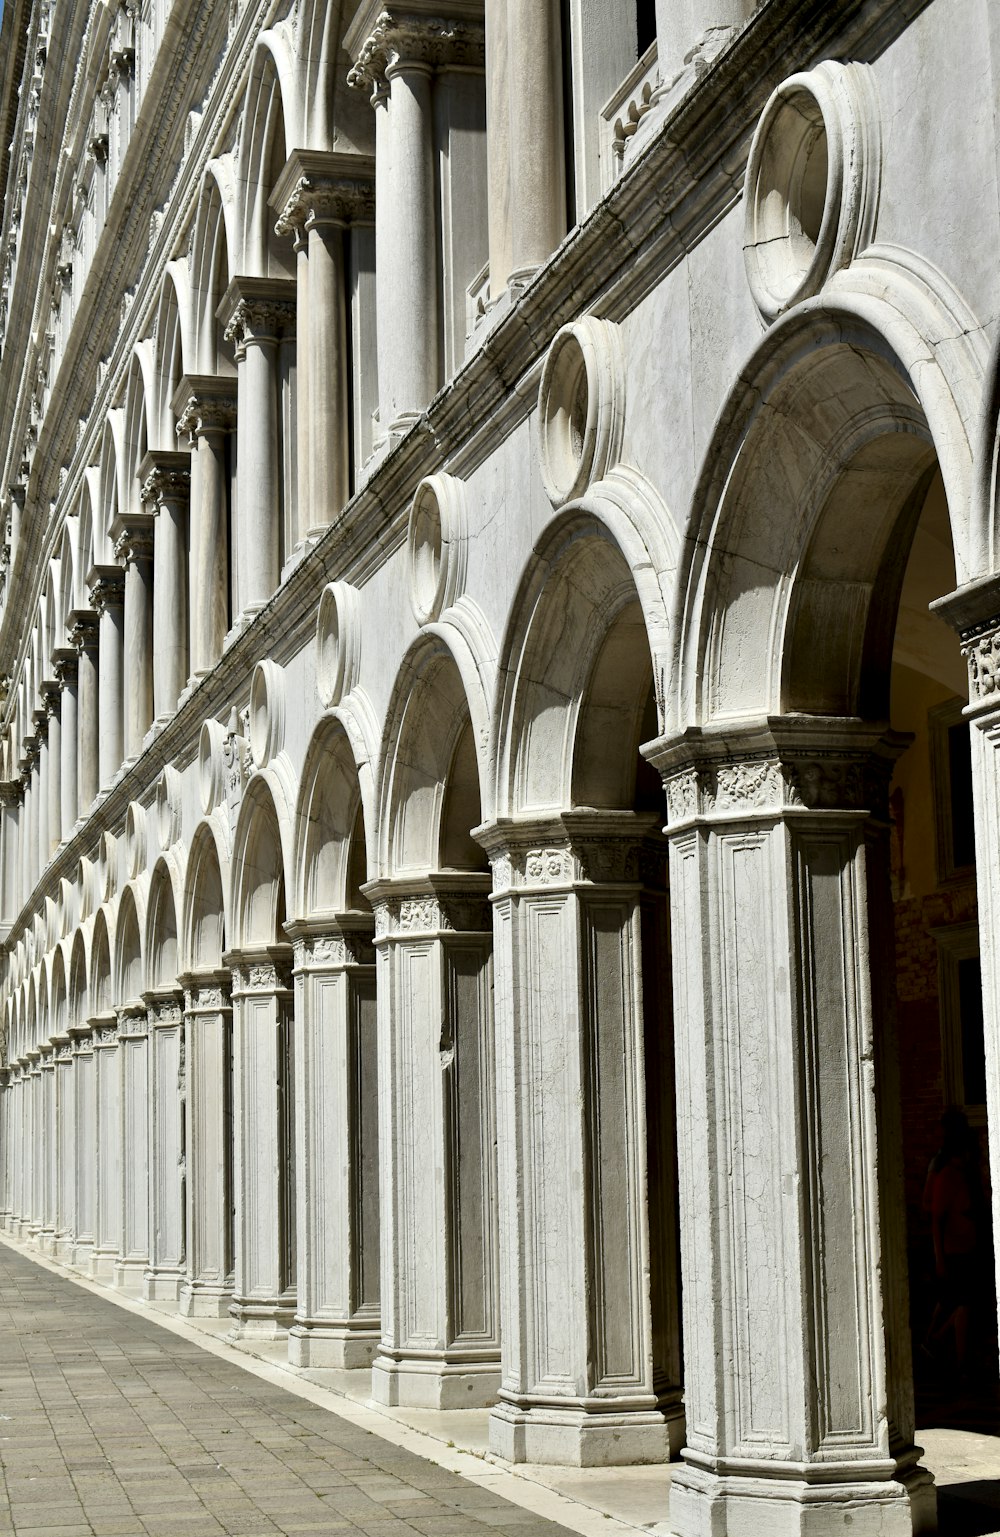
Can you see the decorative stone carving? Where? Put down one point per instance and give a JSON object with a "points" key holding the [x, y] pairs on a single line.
{"points": [[211, 768], [406, 35], [436, 541], [812, 183], [338, 642], [981, 649], [324, 187], [581, 407], [168, 806], [266, 730], [135, 840]]}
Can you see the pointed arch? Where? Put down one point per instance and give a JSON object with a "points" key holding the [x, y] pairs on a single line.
{"points": [[205, 924], [129, 959], [174, 354], [216, 257], [140, 428], [163, 905], [262, 869], [78, 972], [334, 824], [269, 127]]}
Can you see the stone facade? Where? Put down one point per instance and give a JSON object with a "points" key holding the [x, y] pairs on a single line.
{"points": [[500, 500]]}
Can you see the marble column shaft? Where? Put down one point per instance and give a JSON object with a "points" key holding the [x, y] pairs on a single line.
{"points": [[69, 793], [108, 1135], [65, 1148], [165, 1020], [336, 1159], [86, 1160], [207, 1289], [796, 1350], [596, 1378], [107, 585], [84, 633], [165, 480], [133, 1052], [134, 549], [53, 710], [205, 406]]}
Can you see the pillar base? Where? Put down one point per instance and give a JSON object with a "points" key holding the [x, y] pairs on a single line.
{"points": [[161, 1286], [435, 1384], [336, 1345], [45, 1241], [204, 1301], [703, 1504], [62, 1249], [260, 1321], [102, 1264], [128, 1276], [83, 1253], [580, 1438]]}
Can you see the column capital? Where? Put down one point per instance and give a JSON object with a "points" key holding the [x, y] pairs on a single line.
{"points": [[323, 187], [50, 692], [204, 403], [164, 476], [107, 588], [386, 38], [11, 792], [41, 722], [259, 969], [257, 310], [777, 766], [83, 629], [164, 1007], [575, 848], [66, 662], [974, 612], [325, 944], [133, 537], [435, 903], [206, 992]]}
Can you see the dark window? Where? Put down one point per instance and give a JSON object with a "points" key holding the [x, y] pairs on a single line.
{"points": [[645, 24], [963, 838]]}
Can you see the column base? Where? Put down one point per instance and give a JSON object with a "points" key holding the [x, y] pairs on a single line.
{"points": [[703, 1504], [260, 1320], [582, 1438], [45, 1241], [83, 1253], [102, 1264], [337, 1345], [204, 1301], [435, 1384], [62, 1249], [128, 1275], [161, 1286]]}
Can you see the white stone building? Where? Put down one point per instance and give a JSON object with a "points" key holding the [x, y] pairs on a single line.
{"points": [[501, 573]]}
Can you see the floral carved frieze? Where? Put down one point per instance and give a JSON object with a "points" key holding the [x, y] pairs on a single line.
{"points": [[206, 1000], [106, 1035], [462, 913], [164, 1013], [260, 977], [132, 1026], [819, 781], [328, 951]]}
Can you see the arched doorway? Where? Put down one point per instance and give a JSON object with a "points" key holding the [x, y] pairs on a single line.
{"points": [[778, 789], [585, 1082]]}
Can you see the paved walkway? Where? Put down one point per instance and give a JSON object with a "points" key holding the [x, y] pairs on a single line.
{"points": [[110, 1426]]}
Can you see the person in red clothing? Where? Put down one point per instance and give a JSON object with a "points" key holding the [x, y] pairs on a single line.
{"points": [[953, 1195]]}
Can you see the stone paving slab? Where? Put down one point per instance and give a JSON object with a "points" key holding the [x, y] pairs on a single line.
{"points": [[111, 1426]]}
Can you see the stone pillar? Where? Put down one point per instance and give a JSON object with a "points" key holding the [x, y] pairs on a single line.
{"points": [[440, 1345], [12, 1137], [28, 841], [41, 795], [165, 480], [107, 588], [134, 550], [84, 636], [48, 1183], [796, 1345], [974, 611], [525, 144], [108, 1147], [206, 413], [10, 811], [34, 1146], [336, 1154], [65, 1149], [67, 672], [263, 1304], [317, 196], [257, 312], [162, 1281], [396, 53], [207, 1290], [85, 1159], [133, 1051], [53, 790], [582, 1051]]}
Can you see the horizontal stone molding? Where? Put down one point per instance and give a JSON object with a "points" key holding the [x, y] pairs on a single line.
{"points": [[610, 849]]}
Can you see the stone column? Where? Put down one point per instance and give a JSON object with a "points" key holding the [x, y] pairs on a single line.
{"points": [[974, 611], [67, 673], [525, 144], [28, 841], [440, 1345], [85, 1159], [12, 1139], [41, 795], [11, 792], [336, 1154], [34, 1146], [84, 636], [107, 588], [134, 550], [165, 480], [257, 312], [205, 407], [65, 1149], [396, 53], [108, 1148], [133, 1051], [45, 1132], [53, 815], [590, 1328], [165, 1017], [317, 196], [264, 1167], [207, 1290], [796, 1344]]}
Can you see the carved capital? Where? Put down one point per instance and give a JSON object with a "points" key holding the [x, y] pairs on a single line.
{"points": [[323, 188], [258, 310], [67, 664], [406, 36], [164, 477], [981, 649], [83, 630], [204, 403], [107, 588], [133, 539]]}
